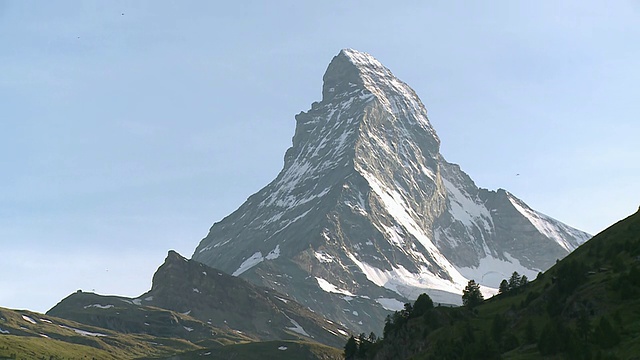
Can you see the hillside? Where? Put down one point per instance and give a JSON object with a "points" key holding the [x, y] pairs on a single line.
{"points": [[32, 336], [282, 350], [587, 306], [28, 335]]}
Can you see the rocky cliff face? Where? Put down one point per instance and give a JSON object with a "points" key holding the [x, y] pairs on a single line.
{"points": [[367, 214]]}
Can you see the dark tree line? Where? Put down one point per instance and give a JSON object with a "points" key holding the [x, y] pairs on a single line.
{"points": [[514, 284]]}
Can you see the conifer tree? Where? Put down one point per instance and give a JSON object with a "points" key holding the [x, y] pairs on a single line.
{"points": [[471, 295]]}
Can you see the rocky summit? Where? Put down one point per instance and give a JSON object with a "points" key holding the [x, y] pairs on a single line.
{"points": [[367, 214]]}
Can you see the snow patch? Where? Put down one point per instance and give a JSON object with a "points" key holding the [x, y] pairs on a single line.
{"points": [[99, 306], [188, 328], [273, 254], [323, 257], [254, 260], [282, 348], [330, 288], [83, 332], [411, 285], [390, 304], [297, 328], [492, 271], [26, 318]]}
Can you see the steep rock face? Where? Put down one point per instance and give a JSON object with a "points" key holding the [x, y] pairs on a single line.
{"points": [[367, 213]]}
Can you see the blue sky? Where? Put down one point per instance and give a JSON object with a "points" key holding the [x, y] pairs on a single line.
{"points": [[129, 128]]}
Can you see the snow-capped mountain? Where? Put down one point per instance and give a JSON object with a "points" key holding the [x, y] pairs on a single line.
{"points": [[367, 214]]}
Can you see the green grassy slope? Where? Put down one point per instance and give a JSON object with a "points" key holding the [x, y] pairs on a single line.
{"points": [[29, 335], [283, 350]]}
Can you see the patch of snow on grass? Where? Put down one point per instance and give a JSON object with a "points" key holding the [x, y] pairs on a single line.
{"points": [[254, 260], [83, 332], [99, 306], [4, 331], [282, 348], [342, 332], [188, 328], [26, 318]]}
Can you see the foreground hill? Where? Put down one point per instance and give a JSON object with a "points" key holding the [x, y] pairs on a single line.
{"points": [[282, 350], [28, 335], [33, 336], [587, 306]]}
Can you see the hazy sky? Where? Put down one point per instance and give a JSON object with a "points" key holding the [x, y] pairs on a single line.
{"points": [[129, 128]]}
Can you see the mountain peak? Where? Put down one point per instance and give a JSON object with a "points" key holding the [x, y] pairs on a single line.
{"points": [[365, 62], [351, 68], [174, 256], [368, 207]]}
